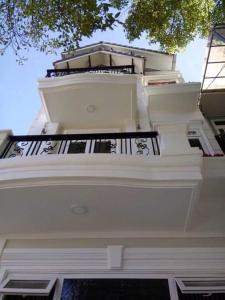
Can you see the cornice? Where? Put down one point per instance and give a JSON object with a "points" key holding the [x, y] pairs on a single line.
{"points": [[87, 78], [121, 170], [116, 235], [177, 88], [167, 261]]}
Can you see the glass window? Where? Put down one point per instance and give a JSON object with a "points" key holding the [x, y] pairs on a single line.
{"points": [[195, 143], [102, 147], [115, 289], [77, 147]]}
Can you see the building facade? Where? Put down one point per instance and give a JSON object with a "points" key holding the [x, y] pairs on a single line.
{"points": [[118, 190]]}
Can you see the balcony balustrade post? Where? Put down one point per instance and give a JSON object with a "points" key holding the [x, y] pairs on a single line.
{"points": [[4, 139]]}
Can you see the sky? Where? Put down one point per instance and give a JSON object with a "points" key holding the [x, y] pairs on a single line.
{"points": [[19, 98]]}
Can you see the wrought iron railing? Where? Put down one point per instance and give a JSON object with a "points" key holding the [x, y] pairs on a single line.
{"points": [[126, 69], [130, 143]]}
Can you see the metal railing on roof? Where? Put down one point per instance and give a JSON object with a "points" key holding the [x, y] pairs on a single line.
{"points": [[123, 69]]}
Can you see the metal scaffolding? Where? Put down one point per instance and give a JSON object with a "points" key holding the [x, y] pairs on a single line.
{"points": [[214, 74]]}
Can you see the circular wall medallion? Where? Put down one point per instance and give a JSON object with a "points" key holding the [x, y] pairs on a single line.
{"points": [[79, 209], [91, 108]]}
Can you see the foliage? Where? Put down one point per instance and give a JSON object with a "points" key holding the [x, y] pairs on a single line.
{"points": [[48, 25], [172, 23]]}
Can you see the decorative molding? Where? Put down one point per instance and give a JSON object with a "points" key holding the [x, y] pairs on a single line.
{"points": [[121, 170], [115, 45], [116, 234], [163, 75], [180, 88], [102, 51], [158, 261], [115, 257], [85, 78]]}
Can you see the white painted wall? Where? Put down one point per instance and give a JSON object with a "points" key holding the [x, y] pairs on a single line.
{"points": [[40, 125], [156, 107]]}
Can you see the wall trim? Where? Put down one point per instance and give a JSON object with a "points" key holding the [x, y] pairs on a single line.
{"points": [[158, 261], [122, 170], [86, 78], [115, 235]]}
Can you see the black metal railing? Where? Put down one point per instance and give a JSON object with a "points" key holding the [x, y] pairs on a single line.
{"points": [[125, 69], [221, 141], [130, 143]]}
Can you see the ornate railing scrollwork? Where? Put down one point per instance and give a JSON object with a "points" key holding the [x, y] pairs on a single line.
{"points": [[123, 69], [129, 143], [18, 149], [113, 146], [142, 146], [48, 148]]}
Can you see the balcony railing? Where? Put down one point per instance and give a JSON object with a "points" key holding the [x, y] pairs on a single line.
{"points": [[126, 69], [130, 143]]}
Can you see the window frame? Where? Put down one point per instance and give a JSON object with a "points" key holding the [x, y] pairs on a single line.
{"points": [[18, 291], [199, 289], [215, 126], [197, 133]]}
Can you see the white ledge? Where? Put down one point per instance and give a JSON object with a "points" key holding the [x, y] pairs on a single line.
{"points": [[121, 170], [87, 78], [136, 262], [177, 88]]}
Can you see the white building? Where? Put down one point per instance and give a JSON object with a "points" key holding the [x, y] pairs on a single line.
{"points": [[118, 191]]}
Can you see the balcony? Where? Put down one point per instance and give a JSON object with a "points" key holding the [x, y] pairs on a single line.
{"points": [[130, 143], [116, 177], [126, 69], [90, 100]]}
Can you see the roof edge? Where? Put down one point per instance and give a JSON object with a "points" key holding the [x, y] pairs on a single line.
{"points": [[114, 44]]}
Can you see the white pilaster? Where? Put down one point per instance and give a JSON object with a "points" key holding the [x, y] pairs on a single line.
{"points": [[173, 140], [142, 108]]}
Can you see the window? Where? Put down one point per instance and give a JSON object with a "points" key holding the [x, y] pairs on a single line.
{"points": [[102, 147], [201, 285], [219, 125], [29, 297], [33, 288], [77, 147], [197, 140], [115, 289]]}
